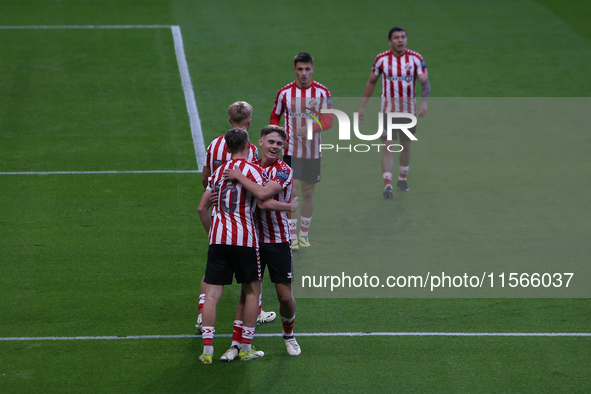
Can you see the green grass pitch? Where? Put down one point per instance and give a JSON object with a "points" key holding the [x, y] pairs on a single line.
{"points": [[123, 254]]}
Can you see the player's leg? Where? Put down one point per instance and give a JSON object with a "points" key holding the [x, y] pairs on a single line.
{"points": [[199, 323], [287, 304], [277, 257], [264, 316], [247, 268], [306, 212], [218, 273], [296, 167], [310, 177], [213, 294], [404, 161], [293, 216], [232, 353], [287, 309], [251, 308], [387, 168], [295, 191], [387, 161]]}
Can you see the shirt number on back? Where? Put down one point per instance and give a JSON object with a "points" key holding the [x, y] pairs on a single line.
{"points": [[229, 198]]}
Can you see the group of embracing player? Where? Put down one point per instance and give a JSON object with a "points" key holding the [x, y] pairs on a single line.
{"points": [[248, 208]]}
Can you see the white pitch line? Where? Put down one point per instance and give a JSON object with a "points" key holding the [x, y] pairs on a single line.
{"points": [[194, 120], [101, 172], [320, 334], [53, 27]]}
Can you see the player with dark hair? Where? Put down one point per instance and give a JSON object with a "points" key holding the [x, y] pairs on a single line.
{"points": [[233, 244], [274, 234], [296, 102], [240, 117], [400, 68]]}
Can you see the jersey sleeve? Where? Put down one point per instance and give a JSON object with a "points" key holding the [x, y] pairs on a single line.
{"points": [[376, 69], [253, 153], [208, 156], [282, 176], [211, 182], [277, 110], [421, 67]]}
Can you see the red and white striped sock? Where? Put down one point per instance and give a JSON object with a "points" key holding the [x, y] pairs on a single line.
{"points": [[293, 228], [207, 335], [387, 178], [288, 325], [403, 173], [201, 302], [247, 335], [260, 303], [304, 226], [237, 334]]}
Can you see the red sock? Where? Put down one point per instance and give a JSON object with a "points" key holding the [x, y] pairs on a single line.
{"points": [[201, 302], [247, 335], [403, 172], [387, 178], [288, 325], [237, 334], [304, 226], [293, 228], [207, 335]]}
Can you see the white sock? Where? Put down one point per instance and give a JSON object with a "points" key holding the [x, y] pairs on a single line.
{"points": [[304, 226], [403, 173], [293, 228]]}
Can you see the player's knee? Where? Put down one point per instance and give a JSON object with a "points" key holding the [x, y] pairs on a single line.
{"points": [[285, 298], [308, 192]]}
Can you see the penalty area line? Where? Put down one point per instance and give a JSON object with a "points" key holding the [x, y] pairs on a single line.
{"points": [[318, 334]]}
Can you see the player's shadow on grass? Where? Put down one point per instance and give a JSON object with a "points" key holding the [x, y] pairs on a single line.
{"points": [[192, 376]]}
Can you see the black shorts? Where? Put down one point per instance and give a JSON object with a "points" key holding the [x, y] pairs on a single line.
{"points": [[307, 170], [397, 133], [277, 256], [225, 261]]}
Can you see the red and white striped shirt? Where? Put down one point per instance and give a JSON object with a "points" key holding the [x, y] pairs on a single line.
{"points": [[217, 154], [233, 221], [296, 105], [274, 225], [398, 79]]}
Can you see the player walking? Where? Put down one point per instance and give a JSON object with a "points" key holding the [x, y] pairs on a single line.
{"points": [[296, 101], [400, 68]]}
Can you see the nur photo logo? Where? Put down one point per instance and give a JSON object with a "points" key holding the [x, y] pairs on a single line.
{"points": [[387, 124]]}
